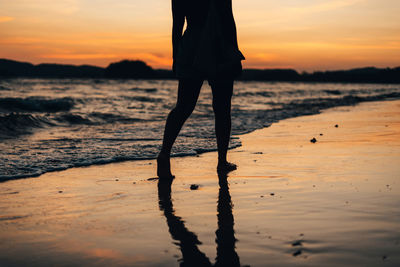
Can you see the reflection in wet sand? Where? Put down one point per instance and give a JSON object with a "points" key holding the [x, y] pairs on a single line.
{"points": [[332, 203], [188, 241], [225, 235]]}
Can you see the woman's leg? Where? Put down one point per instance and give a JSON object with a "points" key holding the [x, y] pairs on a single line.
{"points": [[188, 92], [222, 94]]}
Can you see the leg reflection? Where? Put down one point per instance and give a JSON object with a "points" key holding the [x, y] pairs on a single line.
{"points": [[225, 235], [187, 240]]}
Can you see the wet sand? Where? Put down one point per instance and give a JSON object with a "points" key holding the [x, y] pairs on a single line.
{"points": [[291, 202]]}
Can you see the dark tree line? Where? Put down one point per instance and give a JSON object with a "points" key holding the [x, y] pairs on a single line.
{"points": [[136, 69]]}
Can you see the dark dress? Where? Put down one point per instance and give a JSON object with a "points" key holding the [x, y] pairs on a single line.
{"points": [[209, 48]]}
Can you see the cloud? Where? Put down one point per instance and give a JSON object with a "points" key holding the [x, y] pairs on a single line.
{"points": [[80, 56], [65, 7], [6, 18], [295, 14], [326, 6]]}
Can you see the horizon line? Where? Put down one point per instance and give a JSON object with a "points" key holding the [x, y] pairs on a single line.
{"points": [[126, 59]]}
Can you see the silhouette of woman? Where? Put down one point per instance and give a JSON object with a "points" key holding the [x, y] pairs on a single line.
{"points": [[208, 49]]}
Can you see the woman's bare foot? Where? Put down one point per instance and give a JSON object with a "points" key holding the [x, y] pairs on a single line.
{"points": [[226, 166], [164, 167]]}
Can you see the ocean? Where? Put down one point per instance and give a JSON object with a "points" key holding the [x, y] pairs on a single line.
{"points": [[55, 124]]}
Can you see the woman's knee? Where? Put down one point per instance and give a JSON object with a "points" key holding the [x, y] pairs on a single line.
{"points": [[222, 109], [222, 95], [222, 88], [184, 110], [188, 92]]}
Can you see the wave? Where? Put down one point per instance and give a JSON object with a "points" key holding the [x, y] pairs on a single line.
{"points": [[13, 125], [94, 118], [98, 117], [35, 104], [333, 92], [347, 100], [141, 141], [146, 90], [72, 119], [144, 99], [3, 88], [262, 94]]}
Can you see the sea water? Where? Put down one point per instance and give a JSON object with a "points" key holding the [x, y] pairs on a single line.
{"points": [[54, 124]]}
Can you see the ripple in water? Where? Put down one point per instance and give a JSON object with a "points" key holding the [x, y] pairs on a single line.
{"points": [[54, 124]]}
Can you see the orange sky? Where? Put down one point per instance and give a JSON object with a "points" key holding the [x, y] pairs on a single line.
{"points": [[300, 34]]}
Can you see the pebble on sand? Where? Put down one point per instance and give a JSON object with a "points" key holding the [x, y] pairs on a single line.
{"points": [[313, 140], [194, 187], [60, 191], [272, 194], [297, 243], [337, 126], [297, 253]]}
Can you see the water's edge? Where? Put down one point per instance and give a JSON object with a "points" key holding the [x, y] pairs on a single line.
{"points": [[201, 151]]}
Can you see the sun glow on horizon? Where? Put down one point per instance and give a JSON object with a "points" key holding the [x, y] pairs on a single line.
{"points": [[305, 35]]}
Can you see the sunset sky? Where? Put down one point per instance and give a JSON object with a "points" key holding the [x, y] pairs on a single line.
{"points": [[301, 34]]}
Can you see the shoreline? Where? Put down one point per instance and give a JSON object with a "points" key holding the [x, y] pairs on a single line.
{"points": [[4, 178], [290, 203]]}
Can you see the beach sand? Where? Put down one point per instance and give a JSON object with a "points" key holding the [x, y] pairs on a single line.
{"points": [[291, 202]]}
